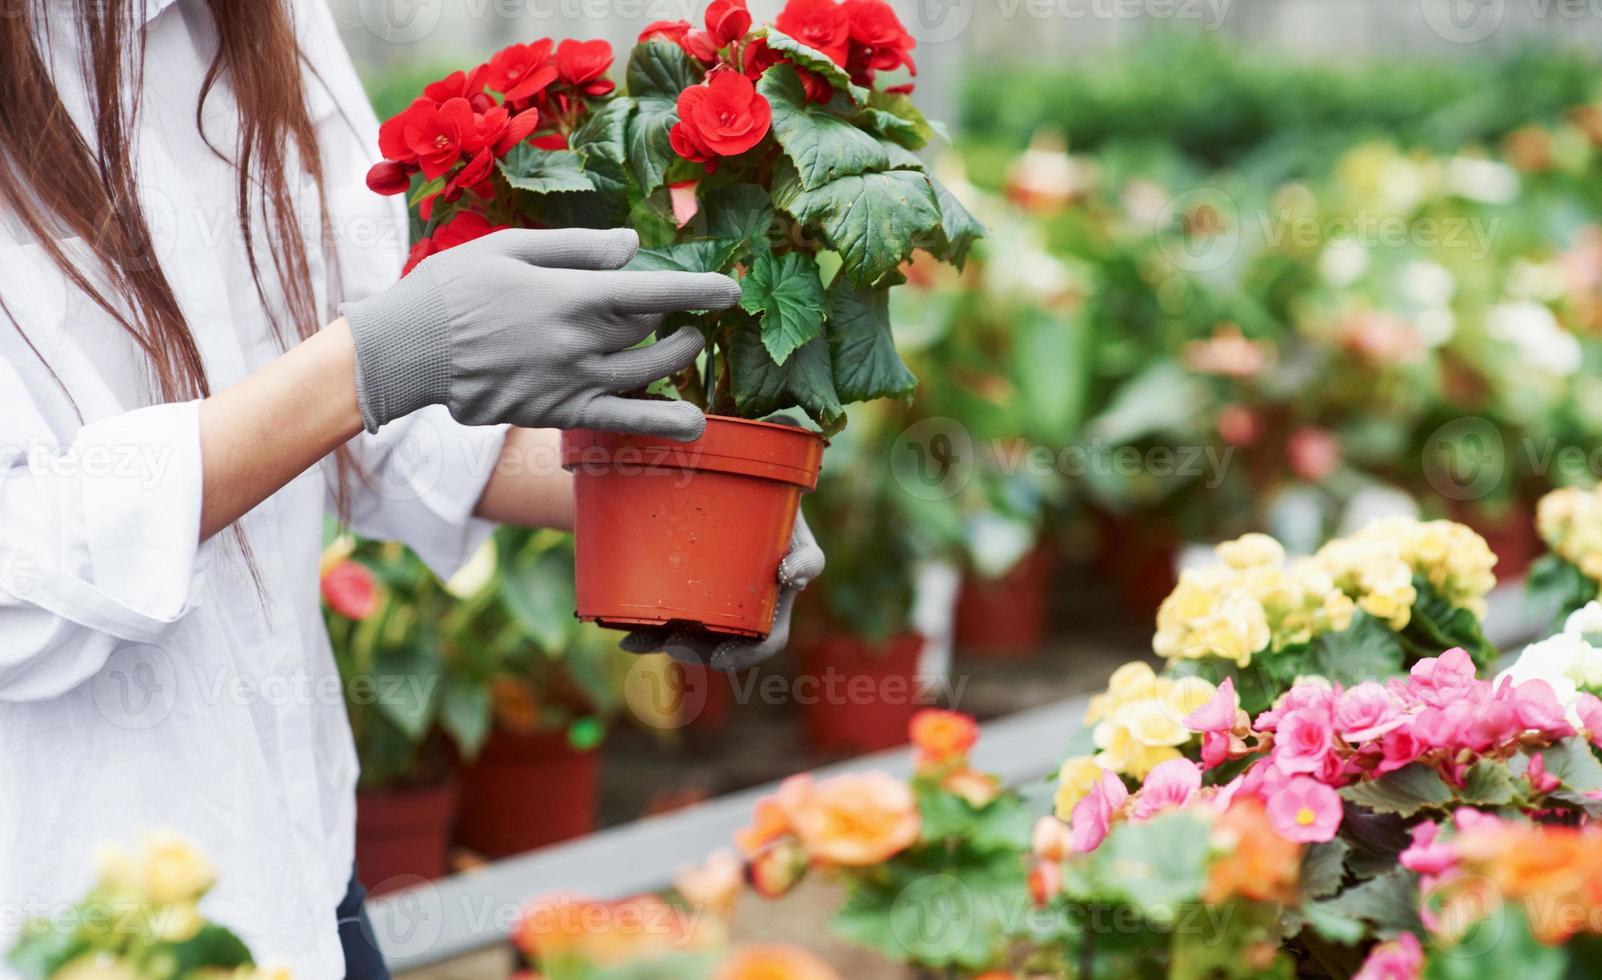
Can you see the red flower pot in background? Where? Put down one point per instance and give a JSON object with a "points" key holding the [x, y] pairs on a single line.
{"points": [[856, 696], [1510, 532], [691, 533], [403, 834], [1006, 617], [1140, 555], [527, 790]]}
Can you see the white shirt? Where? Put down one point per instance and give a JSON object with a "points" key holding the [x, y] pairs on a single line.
{"points": [[146, 681]]}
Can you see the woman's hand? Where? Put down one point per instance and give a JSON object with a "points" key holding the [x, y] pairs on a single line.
{"points": [[534, 328], [803, 563]]}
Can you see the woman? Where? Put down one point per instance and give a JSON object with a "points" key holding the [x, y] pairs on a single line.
{"points": [[182, 210]]}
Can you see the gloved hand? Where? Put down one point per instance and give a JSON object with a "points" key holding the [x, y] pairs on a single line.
{"points": [[800, 566], [533, 328]]}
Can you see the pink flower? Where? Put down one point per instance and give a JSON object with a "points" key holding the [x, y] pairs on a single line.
{"points": [[1540, 779], [1168, 786], [1313, 453], [1303, 741], [1536, 707], [1467, 820], [1483, 725], [1399, 748], [1367, 711], [1217, 715], [1306, 811], [350, 590], [1440, 681], [1092, 816], [1435, 728], [1400, 959], [1427, 855], [1589, 709], [1298, 698]]}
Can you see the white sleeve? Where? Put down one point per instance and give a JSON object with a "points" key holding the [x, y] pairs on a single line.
{"points": [[421, 476], [99, 539]]}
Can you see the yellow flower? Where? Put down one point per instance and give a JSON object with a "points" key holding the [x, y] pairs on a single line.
{"points": [[1133, 680], [1186, 695], [96, 966], [1074, 782], [171, 869], [1151, 723], [1123, 753], [175, 923], [1252, 550]]}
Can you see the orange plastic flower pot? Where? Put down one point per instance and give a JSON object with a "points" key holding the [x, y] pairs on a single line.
{"points": [[526, 790], [1005, 618], [402, 835], [687, 533]]}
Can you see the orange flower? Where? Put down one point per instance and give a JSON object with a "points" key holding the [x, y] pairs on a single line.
{"points": [[1256, 862], [714, 884], [941, 736], [773, 962], [858, 819], [772, 818], [568, 927]]}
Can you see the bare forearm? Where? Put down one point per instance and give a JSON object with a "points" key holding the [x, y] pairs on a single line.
{"points": [[280, 421], [529, 488]]}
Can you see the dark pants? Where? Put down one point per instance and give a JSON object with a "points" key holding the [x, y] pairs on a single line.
{"points": [[362, 959]]}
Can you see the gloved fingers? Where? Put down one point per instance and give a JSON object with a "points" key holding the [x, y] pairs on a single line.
{"points": [[639, 366], [569, 248], [644, 641], [669, 292], [805, 560], [740, 654], [686, 648], [644, 416]]}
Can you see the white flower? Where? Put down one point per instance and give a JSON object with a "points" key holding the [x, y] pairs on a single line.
{"points": [[1585, 622], [1540, 339], [1427, 283], [996, 543], [1539, 281], [1482, 180], [472, 577], [1434, 326], [1342, 263]]}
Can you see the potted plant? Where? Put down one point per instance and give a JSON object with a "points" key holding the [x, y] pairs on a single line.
{"points": [[858, 653], [931, 867], [1007, 339], [383, 610], [774, 154], [537, 687], [140, 919]]}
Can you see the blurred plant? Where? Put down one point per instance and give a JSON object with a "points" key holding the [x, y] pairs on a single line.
{"points": [[905, 850], [140, 921], [430, 667]]}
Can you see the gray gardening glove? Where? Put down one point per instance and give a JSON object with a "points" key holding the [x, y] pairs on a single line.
{"points": [[800, 566], [532, 328]]}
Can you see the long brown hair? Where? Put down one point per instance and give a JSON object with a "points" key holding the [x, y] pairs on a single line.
{"points": [[56, 184]]}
